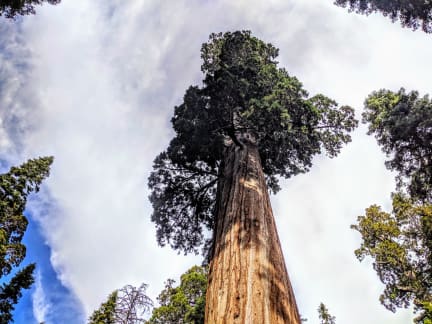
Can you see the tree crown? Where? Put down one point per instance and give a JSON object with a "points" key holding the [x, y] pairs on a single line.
{"points": [[402, 124], [14, 8], [244, 96], [184, 303], [400, 243], [413, 14]]}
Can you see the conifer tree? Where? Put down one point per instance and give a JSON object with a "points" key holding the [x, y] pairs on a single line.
{"points": [[248, 124], [185, 303], [15, 186], [400, 242], [402, 124]]}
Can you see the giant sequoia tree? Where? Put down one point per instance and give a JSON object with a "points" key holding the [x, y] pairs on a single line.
{"points": [[411, 13], [248, 124], [15, 186]]}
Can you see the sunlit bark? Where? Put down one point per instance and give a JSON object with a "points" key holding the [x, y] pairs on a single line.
{"points": [[248, 280]]}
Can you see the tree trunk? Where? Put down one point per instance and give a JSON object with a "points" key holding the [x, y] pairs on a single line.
{"points": [[248, 280]]}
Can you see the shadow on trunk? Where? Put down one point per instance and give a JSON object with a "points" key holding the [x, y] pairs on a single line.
{"points": [[248, 280]]}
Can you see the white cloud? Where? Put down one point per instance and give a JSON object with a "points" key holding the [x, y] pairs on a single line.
{"points": [[40, 305], [104, 78]]}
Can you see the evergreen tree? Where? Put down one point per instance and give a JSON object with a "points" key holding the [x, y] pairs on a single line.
{"points": [[400, 243], [411, 13], [402, 123], [15, 186], [249, 123], [105, 314], [185, 303]]}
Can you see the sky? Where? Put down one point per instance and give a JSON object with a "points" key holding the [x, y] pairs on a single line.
{"points": [[94, 84]]}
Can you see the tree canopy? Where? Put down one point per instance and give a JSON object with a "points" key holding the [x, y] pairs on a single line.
{"points": [[15, 186], [185, 303], [14, 8], [105, 314], [400, 243], [244, 93], [411, 13], [402, 124], [182, 304]]}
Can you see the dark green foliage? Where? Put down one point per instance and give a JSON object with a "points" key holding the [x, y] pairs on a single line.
{"points": [[14, 8], [11, 292], [244, 95], [400, 243], [15, 186], [411, 13], [184, 304], [324, 315], [105, 314], [402, 125]]}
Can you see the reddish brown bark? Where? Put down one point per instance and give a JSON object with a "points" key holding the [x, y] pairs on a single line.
{"points": [[248, 280]]}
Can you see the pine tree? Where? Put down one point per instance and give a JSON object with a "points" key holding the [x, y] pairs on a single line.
{"points": [[15, 186], [185, 303], [105, 314]]}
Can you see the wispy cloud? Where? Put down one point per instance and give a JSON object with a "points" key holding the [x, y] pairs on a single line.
{"points": [[40, 304]]}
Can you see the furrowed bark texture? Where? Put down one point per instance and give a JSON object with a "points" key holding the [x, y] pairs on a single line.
{"points": [[248, 280]]}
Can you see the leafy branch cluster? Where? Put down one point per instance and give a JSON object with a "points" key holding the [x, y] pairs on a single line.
{"points": [[400, 244], [412, 14], [14, 8], [402, 125]]}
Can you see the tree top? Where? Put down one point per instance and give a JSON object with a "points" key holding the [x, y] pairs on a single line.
{"points": [[245, 99]]}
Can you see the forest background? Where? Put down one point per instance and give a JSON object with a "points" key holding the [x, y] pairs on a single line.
{"points": [[94, 84]]}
